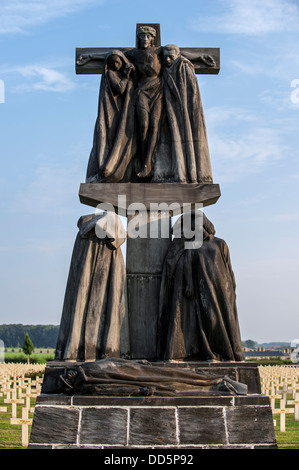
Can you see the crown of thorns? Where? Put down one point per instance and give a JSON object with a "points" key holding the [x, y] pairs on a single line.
{"points": [[147, 29]]}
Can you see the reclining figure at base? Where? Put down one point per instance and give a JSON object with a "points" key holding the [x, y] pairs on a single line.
{"points": [[122, 377]]}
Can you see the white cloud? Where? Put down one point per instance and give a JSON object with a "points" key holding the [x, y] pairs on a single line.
{"points": [[16, 16], [278, 99], [44, 78], [37, 77], [253, 17], [241, 144]]}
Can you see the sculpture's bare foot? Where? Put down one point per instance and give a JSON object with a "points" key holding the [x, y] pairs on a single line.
{"points": [[145, 172]]}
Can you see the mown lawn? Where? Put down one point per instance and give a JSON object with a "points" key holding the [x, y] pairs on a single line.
{"points": [[11, 435], [39, 355], [290, 438]]}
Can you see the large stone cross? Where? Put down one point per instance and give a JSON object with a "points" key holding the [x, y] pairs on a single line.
{"points": [[90, 60], [145, 256]]}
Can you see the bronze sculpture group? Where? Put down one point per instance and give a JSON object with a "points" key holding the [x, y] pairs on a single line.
{"points": [[150, 124], [150, 128]]}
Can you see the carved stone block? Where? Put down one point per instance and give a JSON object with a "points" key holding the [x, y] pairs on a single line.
{"points": [[103, 426], [55, 425], [143, 301], [202, 425], [93, 194], [152, 426], [255, 430]]}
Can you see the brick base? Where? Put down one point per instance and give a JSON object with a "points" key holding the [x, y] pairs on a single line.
{"points": [[209, 422]]}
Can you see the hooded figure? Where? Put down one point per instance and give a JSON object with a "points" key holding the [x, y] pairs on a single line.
{"points": [[198, 314], [94, 322], [187, 130], [114, 129]]}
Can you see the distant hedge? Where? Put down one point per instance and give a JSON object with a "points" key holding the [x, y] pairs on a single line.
{"points": [[42, 336]]}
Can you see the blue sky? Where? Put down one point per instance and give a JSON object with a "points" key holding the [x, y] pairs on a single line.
{"points": [[47, 117]]}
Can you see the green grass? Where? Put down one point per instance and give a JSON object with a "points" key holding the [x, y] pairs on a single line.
{"points": [[290, 438], [39, 356], [11, 434]]}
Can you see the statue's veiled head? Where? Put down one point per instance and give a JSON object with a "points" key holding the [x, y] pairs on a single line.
{"points": [[115, 60], [193, 224]]}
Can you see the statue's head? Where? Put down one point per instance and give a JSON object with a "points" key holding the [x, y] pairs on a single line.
{"points": [[170, 53], [110, 230], [115, 60], [146, 36], [192, 224]]}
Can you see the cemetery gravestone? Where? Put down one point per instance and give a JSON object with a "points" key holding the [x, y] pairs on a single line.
{"points": [[296, 403]]}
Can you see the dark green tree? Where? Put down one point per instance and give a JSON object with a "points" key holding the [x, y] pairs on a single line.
{"points": [[28, 347], [249, 343]]}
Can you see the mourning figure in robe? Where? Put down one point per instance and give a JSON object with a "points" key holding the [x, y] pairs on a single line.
{"points": [[190, 158], [94, 322], [198, 315], [113, 143]]}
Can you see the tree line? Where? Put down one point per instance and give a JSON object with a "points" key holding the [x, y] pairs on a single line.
{"points": [[45, 336], [42, 336]]}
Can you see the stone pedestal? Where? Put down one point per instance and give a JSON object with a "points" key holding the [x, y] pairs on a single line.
{"points": [[121, 196], [144, 264], [210, 421]]}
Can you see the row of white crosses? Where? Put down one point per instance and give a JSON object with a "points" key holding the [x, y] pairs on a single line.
{"points": [[278, 382], [17, 390]]}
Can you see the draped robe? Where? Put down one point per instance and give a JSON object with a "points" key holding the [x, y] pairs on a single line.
{"points": [[94, 322], [204, 326], [113, 141], [185, 118]]}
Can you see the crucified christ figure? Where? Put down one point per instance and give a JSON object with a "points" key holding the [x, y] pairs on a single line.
{"points": [[147, 60]]}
